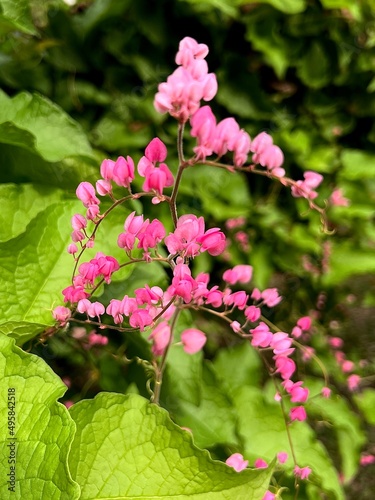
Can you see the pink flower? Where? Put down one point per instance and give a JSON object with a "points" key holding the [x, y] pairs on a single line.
{"points": [[271, 297], [297, 413], [61, 314], [86, 193], [237, 462], [303, 472], [184, 238], [140, 319], [156, 151], [260, 464], [151, 234], [269, 496], [123, 171], [160, 336], [298, 393], [239, 274], [337, 199], [203, 124], [281, 343], [97, 339], [285, 366], [282, 457], [367, 459], [103, 187], [304, 323], [336, 342], [72, 248], [252, 313], [353, 382], [181, 94], [326, 392], [305, 188], [193, 340], [213, 240], [106, 169], [262, 336]]}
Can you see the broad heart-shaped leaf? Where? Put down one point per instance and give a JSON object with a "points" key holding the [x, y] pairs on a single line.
{"points": [[42, 432], [128, 448], [35, 266], [262, 426], [35, 123], [213, 419], [21, 203]]}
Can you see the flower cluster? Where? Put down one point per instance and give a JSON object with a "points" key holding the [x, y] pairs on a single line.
{"points": [[156, 310]]}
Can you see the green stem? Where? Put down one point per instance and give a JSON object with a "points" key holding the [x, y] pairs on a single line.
{"points": [[160, 370]]}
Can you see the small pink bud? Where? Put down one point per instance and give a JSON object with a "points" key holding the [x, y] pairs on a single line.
{"points": [[193, 340], [282, 457], [260, 464], [303, 472], [298, 413], [237, 462]]}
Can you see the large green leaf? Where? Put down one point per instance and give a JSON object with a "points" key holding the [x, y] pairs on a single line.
{"points": [[42, 432], [262, 427], [20, 204], [127, 448], [212, 420], [35, 265], [35, 123]]}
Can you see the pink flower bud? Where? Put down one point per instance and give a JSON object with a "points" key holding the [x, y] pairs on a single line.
{"points": [[297, 413], [303, 472], [260, 464], [193, 340], [237, 462], [61, 313], [160, 336], [86, 193]]}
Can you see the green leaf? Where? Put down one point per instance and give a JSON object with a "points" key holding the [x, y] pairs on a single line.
{"points": [[262, 426], [43, 430], [21, 203], [17, 15], [65, 174], [315, 68], [345, 424], [357, 165], [227, 362], [127, 448], [366, 403], [35, 265], [346, 260], [213, 420], [286, 6], [21, 331], [54, 134]]}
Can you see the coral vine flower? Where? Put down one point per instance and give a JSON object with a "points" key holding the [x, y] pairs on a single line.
{"points": [[298, 413], [193, 340], [160, 336], [181, 94], [156, 178], [303, 472], [237, 462], [239, 274]]}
